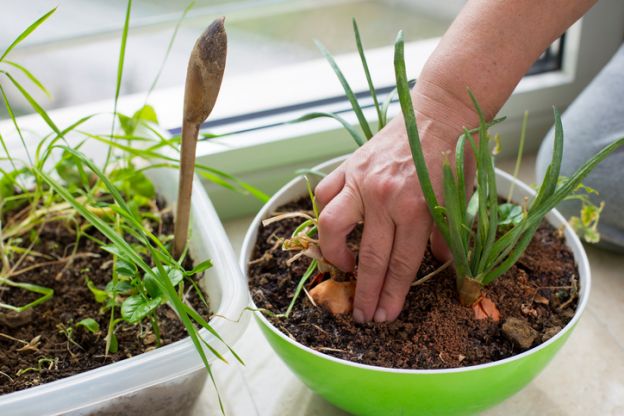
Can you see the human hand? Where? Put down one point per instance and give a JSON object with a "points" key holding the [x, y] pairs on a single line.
{"points": [[378, 184]]}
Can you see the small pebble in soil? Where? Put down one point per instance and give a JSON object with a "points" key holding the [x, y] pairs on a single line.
{"points": [[520, 332]]}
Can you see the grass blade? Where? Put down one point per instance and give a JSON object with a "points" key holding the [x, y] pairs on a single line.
{"points": [[525, 120], [43, 144], [357, 137], [389, 99], [348, 91], [34, 104], [455, 216], [168, 51], [539, 211], [120, 65], [360, 48], [7, 105], [308, 273], [30, 76], [386, 104], [571, 184], [552, 173], [6, 151], [512, 258], [26, 33], [492, 214], [414, 139], [201, 321], [481, 155], [45, 292], [215, 175], [459, 168], [461, 191]]}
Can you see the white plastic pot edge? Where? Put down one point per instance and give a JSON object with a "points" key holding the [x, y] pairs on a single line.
{"points": [[208, 239], [296, 188]]}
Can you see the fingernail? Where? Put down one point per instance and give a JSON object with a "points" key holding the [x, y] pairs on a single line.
{"points": [[358, 315], [380, 315]]}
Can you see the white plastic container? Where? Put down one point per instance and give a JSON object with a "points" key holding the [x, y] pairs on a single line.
{"points": [[168, 380]]}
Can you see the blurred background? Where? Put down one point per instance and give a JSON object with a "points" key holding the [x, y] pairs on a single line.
{"points": [[75, 52]]}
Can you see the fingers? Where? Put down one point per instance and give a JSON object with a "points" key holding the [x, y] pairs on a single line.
{"points": [[336, 221], [410, 242], [374, 255], [329, 187]]}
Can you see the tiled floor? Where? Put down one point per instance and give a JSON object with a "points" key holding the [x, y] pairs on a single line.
{"points": [[585, 378]]}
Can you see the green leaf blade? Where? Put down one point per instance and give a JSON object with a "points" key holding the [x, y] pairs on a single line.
{"points": [[357, 137], [414, 139], [371, 87], [348, 91], [26, 33]]}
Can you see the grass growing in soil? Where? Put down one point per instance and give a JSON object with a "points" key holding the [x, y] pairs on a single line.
{"points": [[485, 236], [111, 208]]}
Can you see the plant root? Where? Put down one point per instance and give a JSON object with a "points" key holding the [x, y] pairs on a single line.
{"points": [[6, 375], [67, 260], [262, 259], [310, 297], [318, 328], [277, 216], [328, 349], [21, 341], [437, 271]]}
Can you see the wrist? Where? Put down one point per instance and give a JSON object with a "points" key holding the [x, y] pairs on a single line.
{"points": [[441, 114]]}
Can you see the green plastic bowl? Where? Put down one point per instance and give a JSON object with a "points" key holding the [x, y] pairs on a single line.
{"points": [[369, 390]]}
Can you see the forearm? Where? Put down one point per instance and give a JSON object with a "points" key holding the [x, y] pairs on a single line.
{"points": [[488, 49]]}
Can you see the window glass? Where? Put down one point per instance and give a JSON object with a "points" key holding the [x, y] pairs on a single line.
{"points": [[75, 52]]}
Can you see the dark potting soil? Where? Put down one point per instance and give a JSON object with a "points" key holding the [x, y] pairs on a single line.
{"points": [[536, 297], [34, 345]]}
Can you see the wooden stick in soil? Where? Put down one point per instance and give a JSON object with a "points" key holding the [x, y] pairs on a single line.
{"points": [[203, 81]]}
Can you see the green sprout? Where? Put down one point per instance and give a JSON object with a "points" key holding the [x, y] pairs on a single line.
{"points": [[480, 254], [44, 363], [302, 240], [382, 111], [366, 133]]}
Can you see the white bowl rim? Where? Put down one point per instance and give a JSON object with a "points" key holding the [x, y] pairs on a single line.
{"points": [[572, 241]]}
